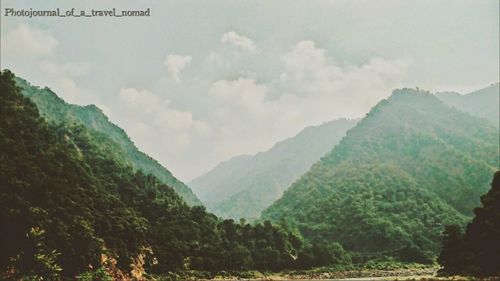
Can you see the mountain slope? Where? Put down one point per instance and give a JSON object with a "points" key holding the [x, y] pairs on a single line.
{"points": [[67, 203], [410, 166], [245, 185], [56, 110], [483, 103]]}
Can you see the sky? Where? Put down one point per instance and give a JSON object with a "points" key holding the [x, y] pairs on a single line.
{"points": [[199, 82]]}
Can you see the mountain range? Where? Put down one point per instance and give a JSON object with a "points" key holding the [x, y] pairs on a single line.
{"points": [[73, 208], [347, 191], [412, 165], [245, 185], [483, 103]]}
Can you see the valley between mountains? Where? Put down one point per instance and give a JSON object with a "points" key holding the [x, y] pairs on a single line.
{"points": [[403, 185]]}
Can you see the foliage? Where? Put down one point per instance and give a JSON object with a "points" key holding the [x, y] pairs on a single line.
{"points": [[384, 193], [98, 212], [35, 261], [55, 110], [411, 166], [450, 257], [477, 251], [98, 275]]}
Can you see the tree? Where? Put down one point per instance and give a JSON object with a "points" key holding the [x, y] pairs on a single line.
{"points": [[483, 233], [477, 252], [36, 261], [75, 184], [451, 258]]}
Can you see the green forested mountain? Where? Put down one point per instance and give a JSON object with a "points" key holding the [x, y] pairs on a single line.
{"points": [[412, 165], [54, 109], [483, 103], [245, 185], [68, 202], [72, 203]]}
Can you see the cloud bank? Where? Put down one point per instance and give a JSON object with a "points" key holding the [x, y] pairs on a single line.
{"points": [[209, 83], [240, 114]]}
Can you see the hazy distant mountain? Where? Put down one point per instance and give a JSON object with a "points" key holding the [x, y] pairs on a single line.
{"points": [[54, 109], [410, 166], [483, 103], [245, 185]]}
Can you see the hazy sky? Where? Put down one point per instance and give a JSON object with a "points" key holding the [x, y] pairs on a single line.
{"points": [[199, 82]]}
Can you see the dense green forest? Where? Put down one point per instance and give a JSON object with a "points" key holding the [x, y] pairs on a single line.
{"points": [[245, 185], [70, 204], [75, 204], [411, 166], [55, 110], [477, 251]]}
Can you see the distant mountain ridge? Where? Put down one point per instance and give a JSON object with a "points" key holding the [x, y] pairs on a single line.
{"points": [[412, 165], [245, 185], [55, 109], [483, 103]]}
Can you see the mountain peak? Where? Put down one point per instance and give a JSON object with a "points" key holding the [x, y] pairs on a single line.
{"points": [[55, 109], [94, 108], [414, 96], [413, 164]]}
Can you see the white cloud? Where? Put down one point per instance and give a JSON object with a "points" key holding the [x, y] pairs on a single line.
{"points": [[245, 115], [244, 93], [133, 98], [353, 89], [68, 90], [307, 67], [241, 42], [62, 79], [175, 64], [72, 91], [295, 86], [151, 120], [29, 48], [29, 41], [250, 116]]}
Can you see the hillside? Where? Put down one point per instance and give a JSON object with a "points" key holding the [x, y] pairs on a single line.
{"points": [[69, 207], [54, 109], [483, 103], [245, 185], [412, 165]]}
